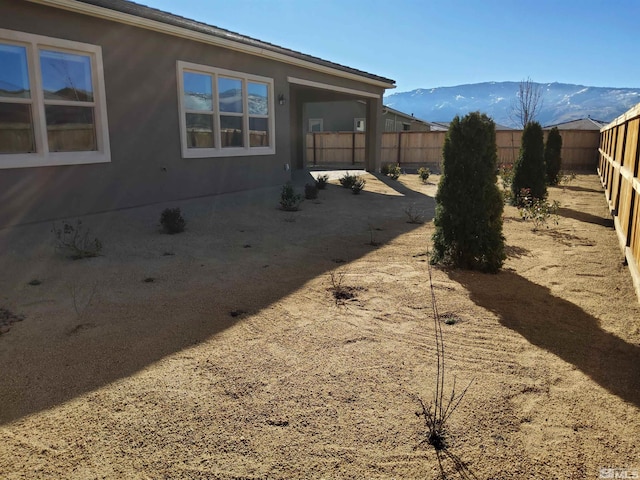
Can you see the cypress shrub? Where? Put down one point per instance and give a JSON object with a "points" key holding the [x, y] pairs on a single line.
{"points": [[529, 171], [552, 158], [469, 205]]}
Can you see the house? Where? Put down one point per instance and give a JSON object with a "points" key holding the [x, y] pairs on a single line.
{"points": [[444, 127], [350, 117], [580, 124], [108, 104]]}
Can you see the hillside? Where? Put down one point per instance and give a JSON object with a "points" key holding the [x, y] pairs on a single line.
{"points": [[561, 102]]}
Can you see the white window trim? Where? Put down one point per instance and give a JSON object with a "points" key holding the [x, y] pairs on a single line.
{"points": [[43, 157], [218, 150], [355, 124], [318, 121]]}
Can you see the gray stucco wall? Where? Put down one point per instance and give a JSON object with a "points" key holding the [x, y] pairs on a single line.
{"points": [[336, 116], [142, 106]]}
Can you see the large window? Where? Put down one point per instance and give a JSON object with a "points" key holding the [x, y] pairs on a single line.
{"points": [[52, 102], [224, 113]]}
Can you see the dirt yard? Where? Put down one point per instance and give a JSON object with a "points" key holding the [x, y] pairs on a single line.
{"points": [[220, 353]]}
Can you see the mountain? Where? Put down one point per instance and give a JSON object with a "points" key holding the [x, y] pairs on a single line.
{"points": [[561, 102]]}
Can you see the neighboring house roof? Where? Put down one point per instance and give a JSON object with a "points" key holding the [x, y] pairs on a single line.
{"points": [[407, 116], [580, 124], [444, 126], [177, 25]]}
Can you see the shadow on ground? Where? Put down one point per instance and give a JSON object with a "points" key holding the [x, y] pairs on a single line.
{"points": [[133, 324], [576, 188], [559, 327], [585, 217]]}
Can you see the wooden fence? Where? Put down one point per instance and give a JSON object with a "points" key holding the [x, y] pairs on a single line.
{"points": [[417, 149], [619, 169]]}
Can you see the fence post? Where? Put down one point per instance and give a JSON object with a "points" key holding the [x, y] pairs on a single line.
{"points": [[313, 136], [353, 148]]}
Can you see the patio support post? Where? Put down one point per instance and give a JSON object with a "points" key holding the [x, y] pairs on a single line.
{"points": [[373, 139]]}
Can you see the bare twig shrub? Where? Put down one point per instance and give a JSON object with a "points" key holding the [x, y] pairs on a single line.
{"points": [[439, 410], [75, 241], [414, 214]]}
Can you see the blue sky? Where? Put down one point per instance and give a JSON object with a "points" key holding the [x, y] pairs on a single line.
{"points": [[429, 43]]}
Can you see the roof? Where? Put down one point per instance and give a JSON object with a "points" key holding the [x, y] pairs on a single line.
{"points": [[580, 124], [405, 115], [444, 126], [231, 38]]}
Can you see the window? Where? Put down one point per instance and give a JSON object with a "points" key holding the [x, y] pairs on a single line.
{"points": [[224, 113], [359, 124], [52, 102], [389, 125], [315, 124]]}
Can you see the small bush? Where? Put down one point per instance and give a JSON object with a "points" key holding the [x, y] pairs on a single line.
{"points": [[394, 171], [290, 200], [424, 173], [321, 181], [384, 170], [358, 185], [348, 180], [565, 179], [311, 191], [75, 242], [172, 221], [539, 211]]}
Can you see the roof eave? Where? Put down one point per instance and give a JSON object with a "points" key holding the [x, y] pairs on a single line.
{"points": [[154, 25]]}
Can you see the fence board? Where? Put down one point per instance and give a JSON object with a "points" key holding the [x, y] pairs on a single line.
{"points": [[619, 166], [416, 149]]}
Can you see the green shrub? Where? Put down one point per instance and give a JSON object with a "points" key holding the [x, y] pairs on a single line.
{"points": [[358, 185], [529, 170], [321, 181], [290, 200], [311, 191], [552, 158], [347, 180], [75, 242], [394, 171], [172, 221], [469, 206], [424, 173]]}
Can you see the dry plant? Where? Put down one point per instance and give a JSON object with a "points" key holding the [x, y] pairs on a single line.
{"points": [[372, 236], [440, 409], [80, 307], [414, 215], [75, 241], [341, 292]]}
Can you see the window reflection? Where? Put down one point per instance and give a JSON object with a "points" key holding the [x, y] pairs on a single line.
{"points": [[198, 92], [14, 76], [16, 128], [70, 129], [230, 95], [258, 99], [66, 76], [259, 132], [199, 131], [231, 131]]}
